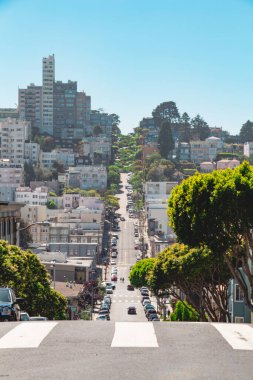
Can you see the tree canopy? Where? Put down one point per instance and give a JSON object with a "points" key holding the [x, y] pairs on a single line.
{"points": [[23, 272], [139, 274], [165, 139], [216, 210], [246, 132]]}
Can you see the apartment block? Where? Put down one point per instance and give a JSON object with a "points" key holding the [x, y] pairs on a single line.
{"points": [[30, 106], [37, 197], [13, 135], [205, 150], [87, 177], [32, 153], [64, 156], [48, 78]]}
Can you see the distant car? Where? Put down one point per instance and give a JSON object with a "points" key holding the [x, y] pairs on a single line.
{"points": [[144, 293], [24, 316], [9, 305], [148, 306], [131, 310], [109, 291], [150, 311], [130, 287], [38, 318], [122, 218], [114, 277], [153, 318], [101, 318], [146, 302], [113, 262]]}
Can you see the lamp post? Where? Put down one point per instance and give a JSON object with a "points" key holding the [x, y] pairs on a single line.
{"points": [[45, 223], [53, 266]]}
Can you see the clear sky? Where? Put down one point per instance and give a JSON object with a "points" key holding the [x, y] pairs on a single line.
{"points": [[131, 55]]}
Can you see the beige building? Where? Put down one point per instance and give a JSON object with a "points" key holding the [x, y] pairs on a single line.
{"points": [[225, 164], [205, 150]]}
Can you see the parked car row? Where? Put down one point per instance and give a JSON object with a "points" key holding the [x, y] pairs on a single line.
{"points": [[149, 309], [104, 312]]}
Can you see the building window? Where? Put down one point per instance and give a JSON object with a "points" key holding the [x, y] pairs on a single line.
{"points": [[239, 319], [238, 294]]}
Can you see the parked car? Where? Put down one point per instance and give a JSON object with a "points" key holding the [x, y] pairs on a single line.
{"points": [[130, 287], [131, 310], [150, 311], [108, 283], [149, 307], [114, 277], [109, 290], [153, 317], [102, 318], [24, 316], [9, 305], [39, 318], [144, 293], [146, 301], [113, 262], [145, 298], [122, 218]]}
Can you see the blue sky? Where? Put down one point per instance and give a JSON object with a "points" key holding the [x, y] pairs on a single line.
{"points": [[131, 55]]}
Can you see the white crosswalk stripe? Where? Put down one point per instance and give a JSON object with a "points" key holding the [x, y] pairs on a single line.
{"points": [[239, 336]]}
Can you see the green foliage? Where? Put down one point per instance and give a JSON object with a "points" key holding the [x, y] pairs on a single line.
{"points": [[83, 193], [246, 132], [111, 202], [51, 204], [52, 194], [184, 312], [139, 274], [23, 271], [165, 139], [29, 173], [200, 127], [216, 210]]}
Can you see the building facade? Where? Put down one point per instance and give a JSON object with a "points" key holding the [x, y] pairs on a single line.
{"points": [[48, 78], [30, 106]]}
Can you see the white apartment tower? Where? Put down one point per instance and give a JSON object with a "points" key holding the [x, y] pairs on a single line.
{"points": [[48, 78]]}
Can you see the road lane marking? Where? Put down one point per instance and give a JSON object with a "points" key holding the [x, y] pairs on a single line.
{"points": [[27, 334], [239, 336], [134, 334]]}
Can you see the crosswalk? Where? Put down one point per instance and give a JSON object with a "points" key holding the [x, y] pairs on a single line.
{"points": [[123, 334]]}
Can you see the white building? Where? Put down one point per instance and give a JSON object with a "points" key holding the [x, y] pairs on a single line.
{"points": [[87, 177], [65, 156], [205, 150], [207, 167], [37, 197], [13, 134], [11, 177], [156, 203], [248, 149], [48, 78]]}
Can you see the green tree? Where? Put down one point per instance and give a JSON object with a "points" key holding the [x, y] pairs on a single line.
{"points": [[29, 173], [166, 111], [23, 271], [165, 139], [51, 204], [139, 274], [25, 235], [111, 202], [200, 127], [246, 132], [198, 275], [215, 209], [184, 312]]}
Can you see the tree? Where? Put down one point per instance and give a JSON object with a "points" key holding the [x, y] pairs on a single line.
{"points": [[139, 274], [51, 204], [23, 271], [216, 210], [185, 123], [166, 111], [200, 127], [111, 202], [165, 139], [184, 312], [29, 173], [198, 274], [246, 132], [25, 235]]}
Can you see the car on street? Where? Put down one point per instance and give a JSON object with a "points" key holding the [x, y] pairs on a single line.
{"points": [[102, 318], [113, 262], [38, 318], [9, 305], [150, 311], [24, 316], [109, 290], [144, 293], [149, 307], [114, 277], [105, 313], [130, 287], [108, 283], [131, 310], [146, 302], [122, 218], [144, 298]]}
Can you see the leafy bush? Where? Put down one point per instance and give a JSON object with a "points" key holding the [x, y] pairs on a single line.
{"points": [[184, 312]]}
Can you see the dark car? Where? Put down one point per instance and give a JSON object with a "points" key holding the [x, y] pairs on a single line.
{"points": [[9, 305], [153, 317], [150, 311], [131, 310], [130, 287]]}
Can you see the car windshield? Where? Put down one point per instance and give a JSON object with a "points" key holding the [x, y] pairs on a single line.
{"points": [[5, 295]]}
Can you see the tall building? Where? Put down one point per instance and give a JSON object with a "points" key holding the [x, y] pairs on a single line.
{"points": [[65, 110], [8, 112], [48, 78], [83, 110], [13, 135], [30, 106]]}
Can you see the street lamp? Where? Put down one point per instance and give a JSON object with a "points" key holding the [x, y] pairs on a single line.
{"points": [[44, 223], [53, 266]]}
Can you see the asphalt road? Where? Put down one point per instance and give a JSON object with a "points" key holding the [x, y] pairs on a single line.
{"points": [[123, 298], [94, 350]]}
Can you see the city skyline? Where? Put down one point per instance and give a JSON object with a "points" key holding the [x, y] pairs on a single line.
{"points": [[131, 56]]}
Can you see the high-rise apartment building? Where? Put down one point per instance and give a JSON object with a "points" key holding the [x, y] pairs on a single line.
{"points": [[13, 135], [48, 78], [83, 111], [30, 106], [65, 110]]}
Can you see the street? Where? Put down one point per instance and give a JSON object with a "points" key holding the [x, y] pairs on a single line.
{"points": [[123, 298]]}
